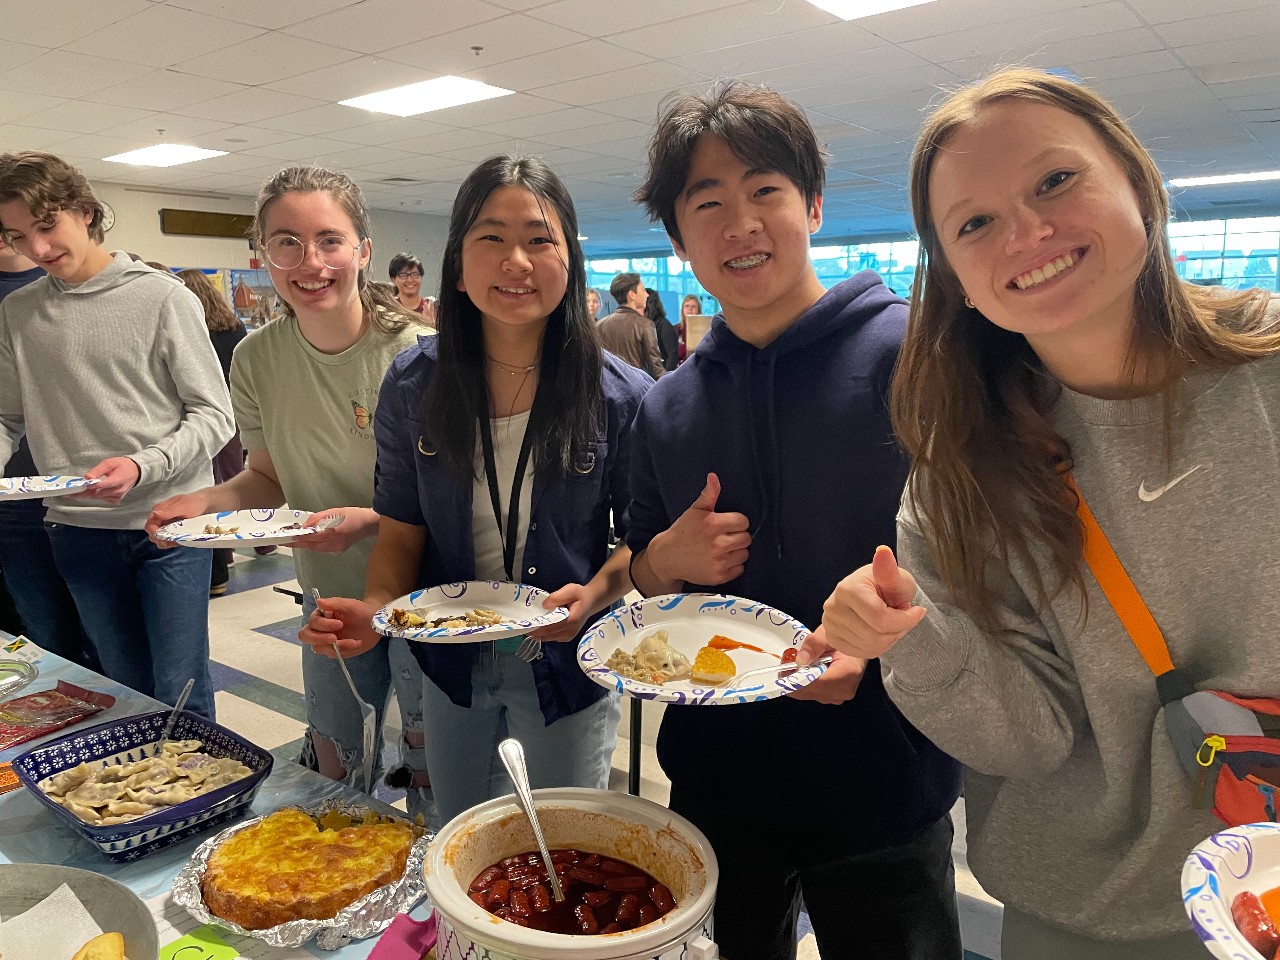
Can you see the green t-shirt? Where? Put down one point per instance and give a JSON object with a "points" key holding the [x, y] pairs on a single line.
{"points": [[313, 413]]}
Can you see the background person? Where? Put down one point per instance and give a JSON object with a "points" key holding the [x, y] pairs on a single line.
{"points": [[1051, 341], [225, 332], [627, 332]]}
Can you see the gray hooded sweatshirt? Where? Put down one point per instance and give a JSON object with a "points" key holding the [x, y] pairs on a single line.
{"points": [[120, 365]]}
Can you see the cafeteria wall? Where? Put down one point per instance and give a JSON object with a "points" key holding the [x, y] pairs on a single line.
{"points": [[137, 229]]}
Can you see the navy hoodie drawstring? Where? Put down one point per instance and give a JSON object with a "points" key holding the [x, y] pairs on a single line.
{"points": [[755, 448], [772, 423]]}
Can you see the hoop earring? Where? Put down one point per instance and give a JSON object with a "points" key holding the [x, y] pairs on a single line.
{"points": [[969, 303]]}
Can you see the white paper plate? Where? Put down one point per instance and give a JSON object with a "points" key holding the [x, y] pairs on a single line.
{"points": [[35, 488], [253, 528], [518, 604], [691, 620], [1229, 863]]}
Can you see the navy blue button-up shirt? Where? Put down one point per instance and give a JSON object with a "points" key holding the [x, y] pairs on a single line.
{"points": [[568, 538]]}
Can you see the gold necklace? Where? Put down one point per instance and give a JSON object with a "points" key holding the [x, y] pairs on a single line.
{"points": [[513, 369]]}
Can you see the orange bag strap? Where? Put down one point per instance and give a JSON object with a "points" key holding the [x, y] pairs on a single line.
{"points": [[1118, 588]]}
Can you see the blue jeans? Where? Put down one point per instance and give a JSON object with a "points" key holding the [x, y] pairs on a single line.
{"points": [[39, 593], [145, 610], [462, 750], [332, 713]]}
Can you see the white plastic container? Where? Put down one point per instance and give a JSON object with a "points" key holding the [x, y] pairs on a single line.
{"points": [[598, 821]]}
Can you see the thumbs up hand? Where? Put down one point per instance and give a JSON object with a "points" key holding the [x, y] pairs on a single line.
{"points": [[702, 546], [870, 610]]}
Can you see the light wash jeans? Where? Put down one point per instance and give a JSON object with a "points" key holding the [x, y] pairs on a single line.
{"points": [[145, 610], [462, 750], [332, 713]]}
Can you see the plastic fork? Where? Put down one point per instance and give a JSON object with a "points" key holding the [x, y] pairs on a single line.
{"points": [[775, 668], [368, 715], [529, 649]]}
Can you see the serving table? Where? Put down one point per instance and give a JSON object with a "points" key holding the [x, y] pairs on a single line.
{"points": [[29, 833]]}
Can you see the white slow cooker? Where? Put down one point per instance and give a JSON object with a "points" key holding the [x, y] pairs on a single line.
{"points": [[598, 821]]}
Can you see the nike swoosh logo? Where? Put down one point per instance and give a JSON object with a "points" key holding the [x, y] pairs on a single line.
{"points": [[1147, 496]]}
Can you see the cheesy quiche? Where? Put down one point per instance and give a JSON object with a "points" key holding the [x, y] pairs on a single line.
{"points": [[289, 867]]}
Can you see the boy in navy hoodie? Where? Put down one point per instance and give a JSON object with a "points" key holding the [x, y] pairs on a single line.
{"points": [[766, 467]]}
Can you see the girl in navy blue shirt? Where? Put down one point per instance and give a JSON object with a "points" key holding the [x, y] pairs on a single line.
{"points": [[513, 409]]}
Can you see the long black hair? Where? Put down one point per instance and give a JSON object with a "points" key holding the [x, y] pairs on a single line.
{"points": [[568, 402]]}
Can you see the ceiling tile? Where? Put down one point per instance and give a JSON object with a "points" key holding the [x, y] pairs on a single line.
{"points": [[353, 78], [804, 46], [322, 120], [163, 90], [543, 125], [298, 150], [15, 137], [608, 129], [80, 116], [162, 127], [270, 16], [46, 27], [376, 25], [71, 75], [488, 112], [587, 59], [162, 36], [716, 29], [1001, 40], [389, 130], [646, 78], [268, 58], [252, 105], [15, 105], [1168, 11], [508, 38], [586, 15], [446, 141], [1239, 70]]}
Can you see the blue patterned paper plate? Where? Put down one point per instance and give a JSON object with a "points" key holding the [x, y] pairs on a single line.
{"points": [[1227, 864], [519, 605], [34, 488], [691, 620], [253, 528]]}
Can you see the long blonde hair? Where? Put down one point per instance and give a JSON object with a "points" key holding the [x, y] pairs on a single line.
{"points": [[969, 401], [380, 307]]}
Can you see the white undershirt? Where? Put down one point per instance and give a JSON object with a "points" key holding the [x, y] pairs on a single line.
{"points": [[508, 434]]}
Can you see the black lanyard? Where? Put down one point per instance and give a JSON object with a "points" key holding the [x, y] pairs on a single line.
{"points": [[513, 507]]}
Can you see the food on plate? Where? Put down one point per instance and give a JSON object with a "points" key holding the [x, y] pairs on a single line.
{"points": [[291, 526], [1255, 924], [728, 643], [654, 661], [291, 866], [105, 946], [220, 531], [712, 667], [478, 617], [601, 894], [104, 793], [789, 655]]}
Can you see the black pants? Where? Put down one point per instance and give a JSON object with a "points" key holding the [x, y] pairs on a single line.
{"points": [[893, 904]]}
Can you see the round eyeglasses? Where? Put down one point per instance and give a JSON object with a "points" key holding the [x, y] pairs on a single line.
{"points": [[286, 252], [408, 276]]}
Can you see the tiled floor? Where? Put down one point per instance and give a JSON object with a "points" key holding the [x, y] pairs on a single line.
{"points": [[257, 674]]}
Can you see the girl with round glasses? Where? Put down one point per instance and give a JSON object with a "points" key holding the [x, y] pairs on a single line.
{"points": [[502, 448], [1061, 387], [304, 388]]}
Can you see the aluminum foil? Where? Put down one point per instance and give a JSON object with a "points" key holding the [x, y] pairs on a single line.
{"points": [[369, 915]]}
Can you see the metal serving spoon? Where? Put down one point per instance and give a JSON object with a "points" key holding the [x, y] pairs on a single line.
{"points": [[513, 759]]}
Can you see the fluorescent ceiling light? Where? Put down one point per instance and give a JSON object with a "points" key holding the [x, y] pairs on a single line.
{"points": [[164, 155], [855, 9], [1226, 178], [428, 95]]}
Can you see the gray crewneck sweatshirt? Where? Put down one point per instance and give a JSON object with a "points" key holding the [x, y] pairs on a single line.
{"points": [[119, 365], [1078, 812]]}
